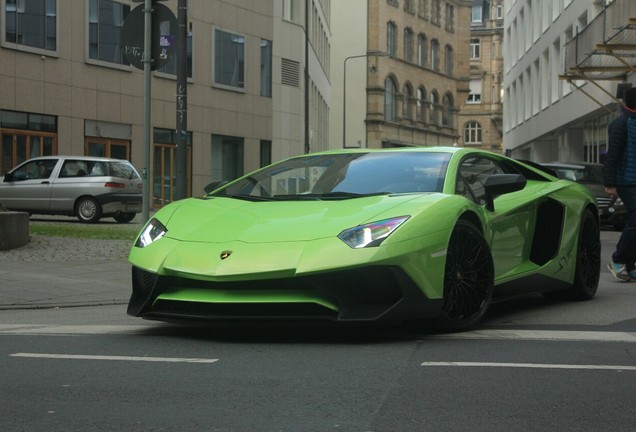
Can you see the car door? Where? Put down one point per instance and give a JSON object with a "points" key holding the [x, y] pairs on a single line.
{"points": [[509, 225], [28, 187]]}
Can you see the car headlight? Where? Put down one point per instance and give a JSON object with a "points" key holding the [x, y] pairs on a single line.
{"points": [[371, 234], [151, 233]]}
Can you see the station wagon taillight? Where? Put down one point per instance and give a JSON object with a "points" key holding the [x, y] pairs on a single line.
{"points": [[114, 185]]}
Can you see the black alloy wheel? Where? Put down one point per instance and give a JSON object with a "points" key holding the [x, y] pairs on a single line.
{"points": [[588, 258], [468, 279]]}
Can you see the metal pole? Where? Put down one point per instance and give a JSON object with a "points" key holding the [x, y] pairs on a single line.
{"points": [[182, 102], [145, 214], [344, 89]]}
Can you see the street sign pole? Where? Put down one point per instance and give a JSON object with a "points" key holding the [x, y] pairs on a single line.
{"points": [[182, 102], [147, 99]]}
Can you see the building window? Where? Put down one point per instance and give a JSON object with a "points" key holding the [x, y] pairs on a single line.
{"points": [[436, 11], [434, 108], [407, 106], [266, 68], [31, 24], [107, 147], [171, 67], [289, 10], [448, 60], [105, 22], [472, 133], [164, 168], [390, 100], [408, 45], [266, 153], [447, 112], [499, 11], [435, 55], [229, 59], [24, 136], [227, 157], [475, 92], [390, 38], [423, 9], [475, 46], [409, 6], [450, 17], [477, 14], [421, 104], [421, 50]]}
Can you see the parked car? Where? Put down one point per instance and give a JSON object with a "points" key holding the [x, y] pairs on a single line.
{"points": [[612, 212], [369, 235], [87, 187]]}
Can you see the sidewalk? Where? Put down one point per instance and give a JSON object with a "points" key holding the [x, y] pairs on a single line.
{"points": [[62, 272]]}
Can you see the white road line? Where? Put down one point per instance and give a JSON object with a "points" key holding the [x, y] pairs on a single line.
{"points": [[550, 335], [44, 329], [114, 358], [529, 365]]}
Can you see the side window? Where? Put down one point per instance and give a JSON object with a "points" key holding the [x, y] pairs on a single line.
{"points": [[35, 170], [74, 168], [472, 176]]}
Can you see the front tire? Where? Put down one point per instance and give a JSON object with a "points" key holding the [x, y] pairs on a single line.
{"points": [[468, 279], [88, 210], [588, 259]]}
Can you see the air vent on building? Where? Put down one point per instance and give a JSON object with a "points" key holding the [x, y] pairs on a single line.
{"points": [[290, 73]]}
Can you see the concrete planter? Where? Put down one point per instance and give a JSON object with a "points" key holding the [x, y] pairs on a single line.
{"points": [[14, 229]]}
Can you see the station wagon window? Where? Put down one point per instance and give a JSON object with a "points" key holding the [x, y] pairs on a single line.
{"points": [[472, 176], [35, 170]]}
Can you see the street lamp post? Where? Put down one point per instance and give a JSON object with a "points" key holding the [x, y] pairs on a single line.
{"points": [[344, 89]]}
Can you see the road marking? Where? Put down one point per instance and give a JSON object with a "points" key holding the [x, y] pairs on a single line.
{"points": [[529, 365], [550, 335], [44, 329], [114, 358]]}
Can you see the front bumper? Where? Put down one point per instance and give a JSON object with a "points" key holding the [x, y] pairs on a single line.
{"points": [[375, 293]]}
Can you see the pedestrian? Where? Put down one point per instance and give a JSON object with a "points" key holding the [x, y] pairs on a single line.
{"points": [[619, 179]]}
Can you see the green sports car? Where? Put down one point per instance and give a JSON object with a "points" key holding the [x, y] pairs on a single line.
{"points": [[369, 235]]}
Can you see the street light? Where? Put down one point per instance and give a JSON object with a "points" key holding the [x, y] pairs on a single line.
{"points": [[344, 89]]}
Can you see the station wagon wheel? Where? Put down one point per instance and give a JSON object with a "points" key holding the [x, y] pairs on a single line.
{"points": [[468, 279], [88, 210], [124, 217]]}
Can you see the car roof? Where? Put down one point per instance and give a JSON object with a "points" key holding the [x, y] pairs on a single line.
{"points": [[86, 158]]}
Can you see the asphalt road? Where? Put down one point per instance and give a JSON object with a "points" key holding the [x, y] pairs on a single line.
{"points": [[532, 366]]}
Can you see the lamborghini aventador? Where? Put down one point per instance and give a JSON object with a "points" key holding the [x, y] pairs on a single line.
{"points": [[433, 234]]}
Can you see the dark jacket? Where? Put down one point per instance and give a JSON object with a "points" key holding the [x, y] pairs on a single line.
{"points": [[620, 164]]}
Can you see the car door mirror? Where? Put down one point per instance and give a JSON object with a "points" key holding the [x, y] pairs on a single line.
{"points": [[499, 184]]}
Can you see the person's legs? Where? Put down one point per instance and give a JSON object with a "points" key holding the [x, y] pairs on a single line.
{"points": [[625, 252]]}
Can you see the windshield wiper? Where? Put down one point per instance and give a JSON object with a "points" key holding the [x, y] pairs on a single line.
{"points": [[245, 197]]}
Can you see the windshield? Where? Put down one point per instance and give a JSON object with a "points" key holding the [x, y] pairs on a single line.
{"points": [[346, 175]]}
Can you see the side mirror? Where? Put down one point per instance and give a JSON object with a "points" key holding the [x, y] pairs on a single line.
{"points": [[214, 185], [499, 184], [8, 177]]}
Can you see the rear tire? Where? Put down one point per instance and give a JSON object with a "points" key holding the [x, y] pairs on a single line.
{"points": [[588, 262], [88, 210], [124, 217], [468, 279]]}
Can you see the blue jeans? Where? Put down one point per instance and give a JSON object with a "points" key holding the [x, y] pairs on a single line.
{"points": [[626, 248]]}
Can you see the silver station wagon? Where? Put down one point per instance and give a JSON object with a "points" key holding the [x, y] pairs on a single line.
{"points": [[87, 187]]}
